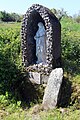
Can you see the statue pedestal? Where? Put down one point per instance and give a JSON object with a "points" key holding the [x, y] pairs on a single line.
{"points": [[35, 77]]}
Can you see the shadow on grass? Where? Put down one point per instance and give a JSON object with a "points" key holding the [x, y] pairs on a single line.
{"points": [[16, 84], [71, 66], [65, 93]]}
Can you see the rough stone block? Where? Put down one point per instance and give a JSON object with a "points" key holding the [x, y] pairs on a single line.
{"points": [[52, 90], [44, 79], [35, 77]]}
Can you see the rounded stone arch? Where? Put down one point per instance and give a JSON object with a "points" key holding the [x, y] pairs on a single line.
{"points": [[35, 14]]}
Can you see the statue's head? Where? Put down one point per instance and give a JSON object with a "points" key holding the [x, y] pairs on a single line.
{"points": [[40, 24]]}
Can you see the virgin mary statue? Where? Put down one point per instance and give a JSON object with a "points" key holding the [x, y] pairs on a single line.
{"points": [[40, 38]]}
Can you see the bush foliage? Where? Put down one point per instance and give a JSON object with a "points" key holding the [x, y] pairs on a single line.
{"points": [[10, 17], [71, 45], [10, 58]]}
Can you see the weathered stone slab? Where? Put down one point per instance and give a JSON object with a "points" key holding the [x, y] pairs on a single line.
{"points": [[35, 77], [52, 90], [44, 79]]}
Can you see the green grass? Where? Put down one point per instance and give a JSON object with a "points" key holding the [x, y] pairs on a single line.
{"points": [[10, 25], [76, 79], [70, 24], [56, 114]]}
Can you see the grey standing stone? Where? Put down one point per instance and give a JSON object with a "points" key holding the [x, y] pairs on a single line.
{"points": [[52, 90]]}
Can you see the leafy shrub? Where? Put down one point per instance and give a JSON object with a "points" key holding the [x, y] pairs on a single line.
{"points": [[13, 78], [71, 46], [10, 58]]}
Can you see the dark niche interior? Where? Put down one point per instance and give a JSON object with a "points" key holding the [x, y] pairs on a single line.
{"points": [[32, 26]]}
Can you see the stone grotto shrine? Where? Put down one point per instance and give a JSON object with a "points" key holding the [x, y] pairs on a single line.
{"points": [[41, 43]]}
